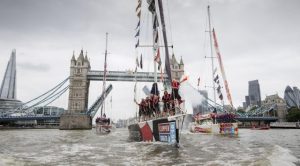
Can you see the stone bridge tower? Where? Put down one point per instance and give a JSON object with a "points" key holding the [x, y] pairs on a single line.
{"points": [[79, 84], [177, 69], [76, 117]]}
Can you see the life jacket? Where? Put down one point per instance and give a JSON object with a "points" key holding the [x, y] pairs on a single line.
{"points": [[175, 84]]}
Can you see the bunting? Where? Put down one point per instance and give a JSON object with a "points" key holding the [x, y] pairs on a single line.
{"points": [[138, 10], [216, 80]]}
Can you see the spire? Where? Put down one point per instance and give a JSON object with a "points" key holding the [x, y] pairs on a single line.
{"points": [[174, 61], [8, 87], [73, 56], [86, 58], [81, 58], [181, 61]]}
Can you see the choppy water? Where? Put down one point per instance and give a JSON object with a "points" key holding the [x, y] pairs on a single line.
{"points": [[56, 147]]}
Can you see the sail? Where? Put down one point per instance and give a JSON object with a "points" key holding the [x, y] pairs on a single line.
{"points": [[222, 68]]}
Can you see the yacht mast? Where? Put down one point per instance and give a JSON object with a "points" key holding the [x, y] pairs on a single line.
{"points": [[211, 54], [167, 59], [104, 76]]}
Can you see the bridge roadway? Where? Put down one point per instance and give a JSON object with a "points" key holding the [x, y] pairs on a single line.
{"points": [[128, 76]]}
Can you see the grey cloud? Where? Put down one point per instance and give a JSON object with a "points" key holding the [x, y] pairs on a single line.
{"points": [[41, 67]]}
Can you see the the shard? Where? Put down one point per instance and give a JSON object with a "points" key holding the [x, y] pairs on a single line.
{"points": [[8, 87], [8, 93]]}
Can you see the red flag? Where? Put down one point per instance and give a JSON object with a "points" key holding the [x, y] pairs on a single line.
{"points": [[161, 75], [157, 57], [184, 79]]}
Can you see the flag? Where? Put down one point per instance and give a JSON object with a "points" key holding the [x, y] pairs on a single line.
{"points": [[137, 33], [161, 75], [221, 96], [199, 81], [157, 57], [137, 62], [139, 14], [155, 22], [139, 5], [156, 36], [141, 62], [138, 24], [219, 89], [184, 79], [216, 78], [137, 44]]}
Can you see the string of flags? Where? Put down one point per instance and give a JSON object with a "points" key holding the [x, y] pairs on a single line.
{"points": [[137, 35], [217, 81], [155, 24], [138, 11]]}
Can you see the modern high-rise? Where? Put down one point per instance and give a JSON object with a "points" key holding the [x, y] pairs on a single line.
{"points": [[254, 93], [292, 97], [8, 90], [253, 98]]}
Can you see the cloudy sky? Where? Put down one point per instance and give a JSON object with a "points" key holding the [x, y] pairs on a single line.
{"points": [[258, 39]]}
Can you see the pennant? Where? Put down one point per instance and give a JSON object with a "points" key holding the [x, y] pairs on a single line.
{"points": [[141, 62], [155, 22], [139, 5], [137, 44], [137, 62], [139, 14], [199, 81], [216, 78], [138, 25], [156, 37], [137, 33], [151, 7], [221, 96], [161, 75], [157, 57], [219, 89]]}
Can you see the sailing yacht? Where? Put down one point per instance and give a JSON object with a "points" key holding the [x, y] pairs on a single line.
{"points": [[157, 125], [103, 123], [217, 123]]}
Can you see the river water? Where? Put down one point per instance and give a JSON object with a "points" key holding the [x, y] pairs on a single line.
{"points": [[59, 147]]}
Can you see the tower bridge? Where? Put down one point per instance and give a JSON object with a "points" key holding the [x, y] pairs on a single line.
{"points": [[78, 115]]}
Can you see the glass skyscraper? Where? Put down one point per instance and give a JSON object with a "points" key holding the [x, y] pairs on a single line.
{"points": [[254, 93]]}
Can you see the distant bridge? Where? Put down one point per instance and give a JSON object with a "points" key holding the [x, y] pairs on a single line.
{"points": [[128, 76]]}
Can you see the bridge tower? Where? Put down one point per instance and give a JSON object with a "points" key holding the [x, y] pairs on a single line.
{"points": [[177, 69], [76, 117]]}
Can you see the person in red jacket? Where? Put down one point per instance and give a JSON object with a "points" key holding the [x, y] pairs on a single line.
{"points": [[175, 87]]}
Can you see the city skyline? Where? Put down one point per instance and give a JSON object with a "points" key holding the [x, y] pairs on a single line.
{"points": [[258, 40]]}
